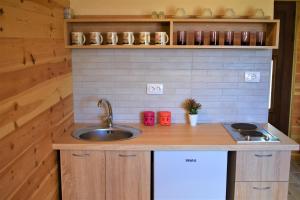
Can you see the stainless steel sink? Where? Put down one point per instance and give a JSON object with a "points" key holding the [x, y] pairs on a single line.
{"points": [[106, 134]]}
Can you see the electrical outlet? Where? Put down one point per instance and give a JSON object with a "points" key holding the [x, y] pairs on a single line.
{"points": [[155, 88], [253, 77]]}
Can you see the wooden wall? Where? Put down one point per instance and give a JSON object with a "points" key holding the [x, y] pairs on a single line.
{"points": [[295, 114], [35, 96]]}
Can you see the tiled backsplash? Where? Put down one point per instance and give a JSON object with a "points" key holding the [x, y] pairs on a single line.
{"points": [[214, 77]]}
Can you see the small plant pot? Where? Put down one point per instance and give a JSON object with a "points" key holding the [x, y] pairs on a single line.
{"points": [[193, 119]]}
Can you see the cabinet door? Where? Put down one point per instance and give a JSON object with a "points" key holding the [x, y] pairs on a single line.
{"points": [[128, 175], [83, 175], [261, 190], [263, 165]]}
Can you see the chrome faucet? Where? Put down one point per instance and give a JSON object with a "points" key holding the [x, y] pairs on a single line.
{"points": [[109, 118]]}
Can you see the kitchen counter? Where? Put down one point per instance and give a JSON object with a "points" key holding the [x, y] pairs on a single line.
{"points": [[177, 137]]}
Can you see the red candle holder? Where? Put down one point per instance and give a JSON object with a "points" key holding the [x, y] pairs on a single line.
{"points": [[149, 118], [165, 118]]}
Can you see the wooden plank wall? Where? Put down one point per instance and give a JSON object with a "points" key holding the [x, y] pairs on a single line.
{"points": [[295, 114], [35, 96]]}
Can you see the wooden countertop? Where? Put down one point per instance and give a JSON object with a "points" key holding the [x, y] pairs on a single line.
{"points": [[176, 137]]}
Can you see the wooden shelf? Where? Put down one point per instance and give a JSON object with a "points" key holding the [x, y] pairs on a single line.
{"points": [[166, 47], [171, 26]]}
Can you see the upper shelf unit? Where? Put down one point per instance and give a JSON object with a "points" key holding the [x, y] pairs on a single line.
{"points": [[171, 26]]}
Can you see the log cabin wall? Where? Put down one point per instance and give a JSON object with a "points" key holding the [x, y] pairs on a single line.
{"points": [[35, 96], [295, 108]]}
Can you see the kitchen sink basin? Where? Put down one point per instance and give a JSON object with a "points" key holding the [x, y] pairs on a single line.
{"points": [[106, 134]]}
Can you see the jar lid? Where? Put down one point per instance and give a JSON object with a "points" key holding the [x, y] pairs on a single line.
{"points": [[165, 113], [148, 113]]}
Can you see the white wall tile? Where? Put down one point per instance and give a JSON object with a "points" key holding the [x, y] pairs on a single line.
{"points": [[214, 77]]}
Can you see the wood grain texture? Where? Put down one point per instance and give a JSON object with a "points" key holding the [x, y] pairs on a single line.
{"points": [[176, 137], [20, 53], [83, 175], [261, 190], [128, 175], [35, 97], [263, 165], [295, 106]]}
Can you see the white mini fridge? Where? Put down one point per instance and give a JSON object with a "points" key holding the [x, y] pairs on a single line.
{"points": [[190, 175]]}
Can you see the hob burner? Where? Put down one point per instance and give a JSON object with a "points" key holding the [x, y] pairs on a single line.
{"points": [[252, 133], [244, 126]]}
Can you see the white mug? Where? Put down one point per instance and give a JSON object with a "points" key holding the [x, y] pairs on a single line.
{"points": [[128, 38], [144, 38], [112, 38], [95, 38], [78, 38], [161, 38]]}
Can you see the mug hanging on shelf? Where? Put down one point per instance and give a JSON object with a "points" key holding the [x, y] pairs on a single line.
{"points": [[161, 38], [144, 38], [128, 38], [78, 38], [95, 38], [112, 38]]}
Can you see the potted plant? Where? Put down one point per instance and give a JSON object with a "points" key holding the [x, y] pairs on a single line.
{"points": [[192, 107]]}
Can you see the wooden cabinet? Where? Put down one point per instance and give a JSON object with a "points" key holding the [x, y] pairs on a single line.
{"points": [[263, 166], [261, 190], [259, 175], [83, 175], [171, 26], [105, 175], [128, 175]]}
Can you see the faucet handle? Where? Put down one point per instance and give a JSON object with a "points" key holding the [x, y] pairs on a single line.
{"points": [[99, 103]]}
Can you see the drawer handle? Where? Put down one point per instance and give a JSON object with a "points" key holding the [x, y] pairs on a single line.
{"points": [[80, 155], [1, 11], [261, 188], [124, 156], [263, 155]]}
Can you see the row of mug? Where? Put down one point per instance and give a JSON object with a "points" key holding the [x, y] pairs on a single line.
{"points": [[228, 38], [96, 38]]}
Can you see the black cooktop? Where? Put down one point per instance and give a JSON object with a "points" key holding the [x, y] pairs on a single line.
{"points": [[252, 133], [244, 126]]}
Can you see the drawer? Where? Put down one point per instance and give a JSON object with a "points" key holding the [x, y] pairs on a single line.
{"points": [[262, 166], [261, 190]]}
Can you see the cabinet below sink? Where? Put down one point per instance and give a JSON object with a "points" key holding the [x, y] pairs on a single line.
{"points": [[105, 175]]}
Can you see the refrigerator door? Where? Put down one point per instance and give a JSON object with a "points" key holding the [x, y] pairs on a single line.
{"points": [[190, 175]]}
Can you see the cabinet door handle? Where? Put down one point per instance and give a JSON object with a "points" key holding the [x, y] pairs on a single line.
{"points": [[124, 156], [1, 11], [261, 188], [263, 155], [80, 155]]}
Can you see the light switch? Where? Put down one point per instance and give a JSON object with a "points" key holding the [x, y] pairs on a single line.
{"points": [[253, 77], [155, 88]]}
